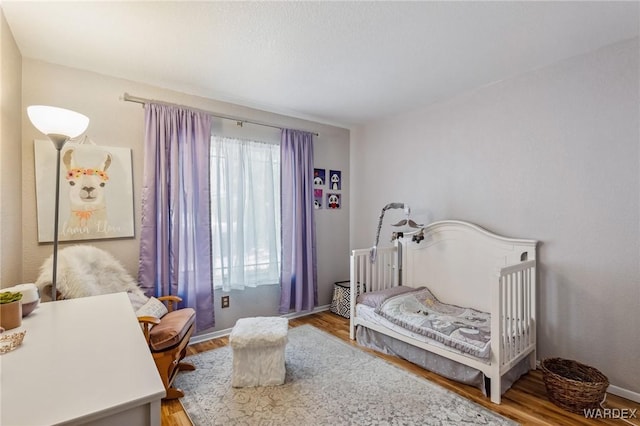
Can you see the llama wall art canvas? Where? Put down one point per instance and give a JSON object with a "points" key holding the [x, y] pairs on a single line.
{"points": [[96, 191]]}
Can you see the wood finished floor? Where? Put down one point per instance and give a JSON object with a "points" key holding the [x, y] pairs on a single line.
{"points": [[525, 402]]}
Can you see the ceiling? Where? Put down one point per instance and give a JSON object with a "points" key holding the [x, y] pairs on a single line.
{"points": [[343, 63]]}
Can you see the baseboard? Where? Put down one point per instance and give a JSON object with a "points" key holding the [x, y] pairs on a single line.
{"points": [[221, 333], [616, 390], [305, 313], [624, 393], [209, 336]]}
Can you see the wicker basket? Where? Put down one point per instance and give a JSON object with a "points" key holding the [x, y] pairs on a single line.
{"points": [[572, 385]]}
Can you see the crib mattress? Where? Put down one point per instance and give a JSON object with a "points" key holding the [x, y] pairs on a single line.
{"points": [[464, 329]]}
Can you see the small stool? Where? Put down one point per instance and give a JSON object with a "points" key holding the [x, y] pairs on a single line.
{"points": [[258, 351]]}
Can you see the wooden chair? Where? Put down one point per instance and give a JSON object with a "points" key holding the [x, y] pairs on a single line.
{"points": [[168, 338]]}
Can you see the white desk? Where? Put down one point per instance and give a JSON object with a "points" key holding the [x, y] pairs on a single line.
{"points": [[82, 361]]}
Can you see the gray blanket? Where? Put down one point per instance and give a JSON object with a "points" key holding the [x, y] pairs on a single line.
{"points": [[465, 329]]}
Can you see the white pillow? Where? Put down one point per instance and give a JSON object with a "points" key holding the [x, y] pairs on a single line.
{"points": [[153, 308], [137, 300]]}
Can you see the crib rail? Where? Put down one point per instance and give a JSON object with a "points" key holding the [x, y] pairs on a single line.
{"points": [[368, 276], [514, 313], [371, 276]]}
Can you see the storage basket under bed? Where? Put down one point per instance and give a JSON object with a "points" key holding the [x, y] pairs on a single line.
{"points": [[572, 385]]}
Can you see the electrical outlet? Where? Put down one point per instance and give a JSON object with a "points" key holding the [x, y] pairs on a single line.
{"points": [[225, 301]]}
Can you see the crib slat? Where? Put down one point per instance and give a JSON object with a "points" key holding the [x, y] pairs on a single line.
{"points": [[389, 269], [514, 308], [529, 313], [518, 309], [522, 318], [380, 272], [373, 275], [532, 306], [525, 311], [362, 277], [500, 318], [505, 316], [503, 309], [532, 311], [507, 311], [514, 314], [517, 301], [385, 271], [525, 298], [511, 317]]}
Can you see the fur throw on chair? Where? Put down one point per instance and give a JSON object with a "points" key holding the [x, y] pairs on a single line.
{"points": [[85, 270]]}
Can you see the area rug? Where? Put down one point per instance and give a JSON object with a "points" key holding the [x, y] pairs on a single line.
{"points": [[328, 382]]}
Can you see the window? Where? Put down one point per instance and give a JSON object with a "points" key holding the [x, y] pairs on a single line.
{"points": [[245, 213]]}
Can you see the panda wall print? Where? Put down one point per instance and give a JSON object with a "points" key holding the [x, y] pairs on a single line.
{"points": [[96, 191], [317, 198], [319, 177], [335, 180], [333, 201]]}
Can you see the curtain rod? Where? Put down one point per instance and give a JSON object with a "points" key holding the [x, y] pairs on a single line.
{"points": [[239, 121]]}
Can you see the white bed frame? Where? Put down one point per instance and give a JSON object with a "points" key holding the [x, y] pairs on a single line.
{"points": [[464, 265]]}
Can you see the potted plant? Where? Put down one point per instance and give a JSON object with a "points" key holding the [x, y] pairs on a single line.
{"points": [[10, 310]]}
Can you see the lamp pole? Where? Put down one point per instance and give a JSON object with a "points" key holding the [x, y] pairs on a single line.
{"points": [[58, 143]]}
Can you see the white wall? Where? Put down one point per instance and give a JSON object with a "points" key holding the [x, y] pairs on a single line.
{"points": [[551, 155], [121, 124], [10, 165]]}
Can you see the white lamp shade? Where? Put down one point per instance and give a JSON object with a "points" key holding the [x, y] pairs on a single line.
{"points": [[57, 121]]}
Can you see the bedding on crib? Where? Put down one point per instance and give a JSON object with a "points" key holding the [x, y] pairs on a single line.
{"points": [[378, 307], [430, 361], [465, 329], [369, 313]]}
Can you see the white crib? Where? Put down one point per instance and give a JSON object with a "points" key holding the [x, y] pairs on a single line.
{"points": [[464, 265]]}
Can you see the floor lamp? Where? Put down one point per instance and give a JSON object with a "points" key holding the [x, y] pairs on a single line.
{"points": [[59, 125]]}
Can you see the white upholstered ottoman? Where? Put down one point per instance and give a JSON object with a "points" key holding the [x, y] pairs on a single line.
{"points": [[258, 351]]}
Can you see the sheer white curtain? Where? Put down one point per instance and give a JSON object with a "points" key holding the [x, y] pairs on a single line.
{"points": [[245, 213]]}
